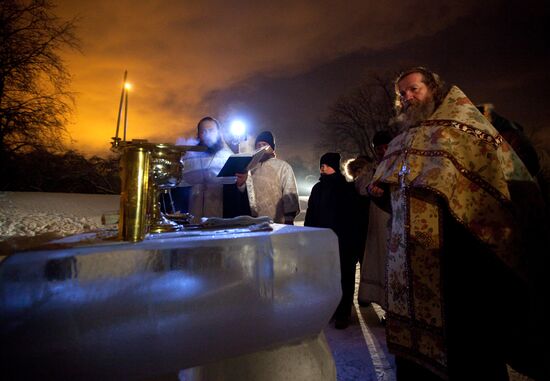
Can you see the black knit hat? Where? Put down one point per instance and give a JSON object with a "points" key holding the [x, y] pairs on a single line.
{"points": [[332, 159], [266, 136]]}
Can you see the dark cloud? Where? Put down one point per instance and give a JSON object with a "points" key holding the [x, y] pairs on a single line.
{"points": [[498, 54]]}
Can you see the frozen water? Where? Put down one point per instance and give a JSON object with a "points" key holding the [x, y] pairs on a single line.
{"points": [[114, 309]]}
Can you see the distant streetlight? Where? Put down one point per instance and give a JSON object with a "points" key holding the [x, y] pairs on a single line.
{"points": [[123, 101], [127, 87]]}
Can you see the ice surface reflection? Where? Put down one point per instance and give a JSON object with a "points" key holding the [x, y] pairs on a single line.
{"points": [[142, 310]]}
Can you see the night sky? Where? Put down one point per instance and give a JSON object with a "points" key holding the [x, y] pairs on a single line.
{"points": [[280, 65]]}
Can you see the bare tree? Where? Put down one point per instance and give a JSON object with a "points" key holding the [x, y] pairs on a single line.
{"points": [[34, 98], [69, 171], [356, 116]]}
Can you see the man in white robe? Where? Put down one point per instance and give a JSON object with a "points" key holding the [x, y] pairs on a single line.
{"points": [[200, 171], [271, 186]]}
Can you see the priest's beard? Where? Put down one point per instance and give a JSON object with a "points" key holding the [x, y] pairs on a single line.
{"points": [[212, 147], [413, 114]]}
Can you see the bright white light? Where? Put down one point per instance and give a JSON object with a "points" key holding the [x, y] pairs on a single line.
{"points": [[127, 86], [346, 171], [238, 128]]}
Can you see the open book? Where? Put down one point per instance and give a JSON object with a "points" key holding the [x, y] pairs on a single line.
{"points": [[242, 162]]}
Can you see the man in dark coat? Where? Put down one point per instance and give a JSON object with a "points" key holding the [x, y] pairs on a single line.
{"points": [[335, 204]]}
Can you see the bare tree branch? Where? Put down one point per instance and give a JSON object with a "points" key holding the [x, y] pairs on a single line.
{"points": [[356, 116], [35, 102]]}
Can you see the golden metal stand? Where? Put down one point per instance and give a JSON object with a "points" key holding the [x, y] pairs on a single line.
{"points": [[147, 170]]}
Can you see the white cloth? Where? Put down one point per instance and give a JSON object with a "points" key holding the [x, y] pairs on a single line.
{"points": [[272, 190], [200, 170], [373, 268]]}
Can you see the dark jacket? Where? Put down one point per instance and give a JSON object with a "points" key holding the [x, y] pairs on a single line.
{"points": [[335, 204]]}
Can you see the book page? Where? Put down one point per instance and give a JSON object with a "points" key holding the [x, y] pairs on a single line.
{"points": [[258, 154], [241, 163]]}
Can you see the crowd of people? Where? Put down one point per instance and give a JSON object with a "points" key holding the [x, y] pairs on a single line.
{"points": [[446, 218]]}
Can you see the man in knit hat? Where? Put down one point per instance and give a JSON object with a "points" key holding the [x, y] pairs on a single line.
{"points": [[334, 204], [271, 186], [265, 138]]}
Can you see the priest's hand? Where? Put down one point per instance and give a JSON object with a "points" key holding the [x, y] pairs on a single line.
{"points": [[374, 190], [241, 178]]}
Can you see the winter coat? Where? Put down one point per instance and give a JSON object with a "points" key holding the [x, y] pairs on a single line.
{"points": [[335, 204]]}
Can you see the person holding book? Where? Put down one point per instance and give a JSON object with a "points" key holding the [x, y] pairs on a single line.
{"points": [[200, 170], [271, 186], [235, 201]]}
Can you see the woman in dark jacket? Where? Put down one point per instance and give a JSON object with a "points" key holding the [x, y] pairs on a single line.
{"points": [[335, 204]]}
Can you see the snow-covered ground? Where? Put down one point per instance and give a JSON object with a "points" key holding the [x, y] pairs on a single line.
{"points": [[30, 214], [29, 218]]}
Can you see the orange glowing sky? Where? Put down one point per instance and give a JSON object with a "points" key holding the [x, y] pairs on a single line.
{"points": [[282, 64], [178, 52]]}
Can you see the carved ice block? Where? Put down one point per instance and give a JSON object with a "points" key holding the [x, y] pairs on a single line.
{"points": [[120, 310]]}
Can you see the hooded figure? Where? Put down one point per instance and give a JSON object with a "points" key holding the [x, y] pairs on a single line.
{"points": [[335, 204]]}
